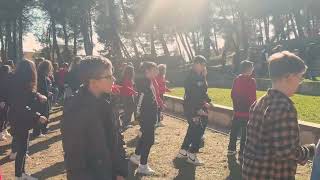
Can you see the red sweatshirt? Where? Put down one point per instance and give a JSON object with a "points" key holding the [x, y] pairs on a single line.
{"points": [[243, 95], [127, 88], [162, 85], [158, 98]]}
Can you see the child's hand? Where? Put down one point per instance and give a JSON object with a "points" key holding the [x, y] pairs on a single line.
{"points": [[42, 98], [208, 105], [43, 120]]}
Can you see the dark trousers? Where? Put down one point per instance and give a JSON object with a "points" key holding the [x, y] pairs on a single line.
{"points": [[3, 119], [40, 129], [194, 134], [238, 124], [129, 109], [22, 140], [144, 144]]}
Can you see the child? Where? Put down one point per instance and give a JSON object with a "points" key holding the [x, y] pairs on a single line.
{"points": [[272, 148], [91, 139], [127, 94], [161, 80], [315, 175], [243, 95], [5, 74], [196, 103], [147, 109]]}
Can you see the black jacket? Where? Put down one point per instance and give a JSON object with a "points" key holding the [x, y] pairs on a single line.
{"points": [[195, 96], [24, 106], [91, 139], [44, 87], [147, 105]]}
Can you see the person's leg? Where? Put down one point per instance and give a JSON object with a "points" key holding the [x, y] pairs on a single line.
{"points": [[235, 127], [187, 139], [36, 130], [196, 138], [22, 139], [243, 124], [148, 140]]}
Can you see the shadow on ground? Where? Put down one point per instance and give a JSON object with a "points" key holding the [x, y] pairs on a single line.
{"points": [[186, 171], [49, 172]]}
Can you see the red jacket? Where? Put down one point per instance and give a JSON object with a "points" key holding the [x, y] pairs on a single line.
{"points": [[127, 88], [61, 77], [243, 95], [162, 85], [158, 98]]}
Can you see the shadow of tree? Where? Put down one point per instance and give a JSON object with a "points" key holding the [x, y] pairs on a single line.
{"points": [[44, 144], [186, 171], [235, 169], [54, 170]]}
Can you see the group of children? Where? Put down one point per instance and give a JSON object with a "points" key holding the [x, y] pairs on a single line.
{"points": [[94, 147]]}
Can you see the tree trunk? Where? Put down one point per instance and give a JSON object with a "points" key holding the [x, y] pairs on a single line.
{"points": [[153, 47], [142, 46], [9, 43], [188, 44], [65, 35], [2, 51], [194, 42], [178, 44], [215, 40], [14, 41], [75, 42], [55, 42], [84, 28], [266, 29], [244, 32], [299, 23], [185, 46], [133, 41], [293, 26], [164, 44], [20, 38]]}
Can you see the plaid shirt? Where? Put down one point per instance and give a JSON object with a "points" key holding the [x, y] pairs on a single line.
{"points": [[273, 149]]}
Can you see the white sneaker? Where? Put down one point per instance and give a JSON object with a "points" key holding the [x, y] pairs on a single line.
{"points": [[13, 156], [182, 154], [2, 137], [42, 135], [145, 170], [26, 177], [192, 159], [135, 159]]}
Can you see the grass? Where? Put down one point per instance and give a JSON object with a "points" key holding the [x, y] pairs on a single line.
{"points": [[307, 106]]}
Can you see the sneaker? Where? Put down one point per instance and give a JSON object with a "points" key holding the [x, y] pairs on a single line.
{"points": [[182, 154], [135, 159], [26, 177], [231, 153], [42, 136], [192, 159], [13, 156], [2, 137], [145, 170], [129, 126]]}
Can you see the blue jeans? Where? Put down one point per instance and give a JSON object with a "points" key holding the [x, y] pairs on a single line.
{"points": [[315, 175]]}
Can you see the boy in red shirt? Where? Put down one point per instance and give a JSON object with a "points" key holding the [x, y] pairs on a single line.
{"points": [[243, 96]]}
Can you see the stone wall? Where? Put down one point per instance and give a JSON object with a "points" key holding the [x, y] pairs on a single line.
{"points": [[220, 117]]}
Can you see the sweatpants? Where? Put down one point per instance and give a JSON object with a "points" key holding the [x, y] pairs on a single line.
{"points": [[147, 137], [238, 124], [22, 141], [194, 134]]}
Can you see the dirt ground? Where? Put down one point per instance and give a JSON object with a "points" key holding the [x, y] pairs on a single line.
{"points": [[46, 155]]}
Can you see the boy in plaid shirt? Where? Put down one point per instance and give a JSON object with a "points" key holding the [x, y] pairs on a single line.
{"points": [[273, 149]]}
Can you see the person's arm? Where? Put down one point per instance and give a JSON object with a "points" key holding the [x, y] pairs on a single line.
{"points": [[285, 136], [74, 146]]}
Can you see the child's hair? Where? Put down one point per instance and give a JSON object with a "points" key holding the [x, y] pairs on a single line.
{"points": [[245, 65], [162, 69], [285, 63], [147, 65], [93, 67], [45, 68], [26, 76], [199, 60], [128, 72], [55, 66]]}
